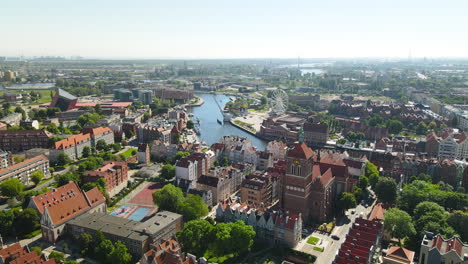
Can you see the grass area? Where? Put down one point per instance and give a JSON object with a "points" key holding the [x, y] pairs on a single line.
{"points": [[246, 125], [313, 240], [128, 153], [326, 227], [319, 249], [45, 180], [33, 234], [45, 95]]}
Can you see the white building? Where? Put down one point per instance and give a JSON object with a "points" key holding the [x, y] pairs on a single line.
{"points": [[448, 147], [278, 149], [187, 169]]}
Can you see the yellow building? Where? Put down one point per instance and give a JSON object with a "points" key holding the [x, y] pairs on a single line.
{"points": [[9, 76]]}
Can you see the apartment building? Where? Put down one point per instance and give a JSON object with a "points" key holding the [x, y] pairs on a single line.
{"points": [[114, 172], [21, 140], [24, 169]]}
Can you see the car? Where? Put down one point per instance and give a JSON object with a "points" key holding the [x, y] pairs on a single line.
{"points": [[366, 205], [353, 211], [335, 237]]}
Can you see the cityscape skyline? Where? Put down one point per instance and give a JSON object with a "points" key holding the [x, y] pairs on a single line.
{"points": [[213, 30]]}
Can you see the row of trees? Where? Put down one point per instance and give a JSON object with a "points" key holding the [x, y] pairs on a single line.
{"points": [[103, 250], [216, 242], [171, 198], [19, 222]]}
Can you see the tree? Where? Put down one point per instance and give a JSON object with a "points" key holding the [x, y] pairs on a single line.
{"points": [[386, 190], [224, 162], [363, 182], [263, 100], [424, 177], [7, 219], [146, 116], [20, 110], [458, 220], [372, 173], [11, 187], [26, 221], [179, 155], [52, 128], [168, 171], [103, 250], [346, 201], [216, 163], [6, 106], [394, 126], [84, 242], [193, 208], [37, 249], [432, 125], [168, 198], [398, 223], [120, 254], [190, 124], [37, 176], [63, 159], [421, 129], [86, 151], [57, 256], [116, 147], [241, 238], [426, 207], [101, 145], [195, 236], [66, 178]]}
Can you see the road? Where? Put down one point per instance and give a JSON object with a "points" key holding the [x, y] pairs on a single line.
{"points": [[331, 246]]}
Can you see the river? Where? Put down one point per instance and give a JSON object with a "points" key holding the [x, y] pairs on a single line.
{"points": [[211, 131]]}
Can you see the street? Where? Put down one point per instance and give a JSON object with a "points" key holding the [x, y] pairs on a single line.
{"points": [[331, 246]]}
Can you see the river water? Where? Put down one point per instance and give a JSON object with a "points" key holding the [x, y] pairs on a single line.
{"points": [[211, 131]]}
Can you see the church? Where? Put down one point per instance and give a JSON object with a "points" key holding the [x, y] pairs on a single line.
{"points": [[308, 186]]}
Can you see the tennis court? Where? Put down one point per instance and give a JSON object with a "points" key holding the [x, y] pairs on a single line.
{"points": [[139, 214]]}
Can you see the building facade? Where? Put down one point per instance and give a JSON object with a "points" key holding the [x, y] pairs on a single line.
{"points": [[306, 187], [60, 205], [114, 172], [21, 140], [273, 227], [137, 236], [24, 169], [436, 249]]}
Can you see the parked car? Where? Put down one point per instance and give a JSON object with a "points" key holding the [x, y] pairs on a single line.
{"points": [[335, 237]]}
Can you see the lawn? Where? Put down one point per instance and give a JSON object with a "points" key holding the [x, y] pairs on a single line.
{"points": [[245, 125], [45, 95], [128, 152], [319, 249], [313, 240]]}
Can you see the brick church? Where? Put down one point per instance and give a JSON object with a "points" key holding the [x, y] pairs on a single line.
{"points": [[311, 182]]}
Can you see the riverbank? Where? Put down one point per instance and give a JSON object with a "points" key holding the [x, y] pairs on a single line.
{"points": [[198, 103], [210, 130], [243, 128]]}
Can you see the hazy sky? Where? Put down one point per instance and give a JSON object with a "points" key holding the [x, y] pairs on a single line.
{"points": [[234, 29]]}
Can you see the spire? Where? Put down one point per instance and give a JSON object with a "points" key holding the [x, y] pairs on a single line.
{"points": [[301, 135]]}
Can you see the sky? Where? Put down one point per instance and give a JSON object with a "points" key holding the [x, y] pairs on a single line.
{"points": [[185, 29]]}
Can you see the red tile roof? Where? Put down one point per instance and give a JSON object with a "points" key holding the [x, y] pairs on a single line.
{"points": [[7, 172], [66, 202], [71, 141], [377, 212], [400, 253], [301, 151], [67, 191]]}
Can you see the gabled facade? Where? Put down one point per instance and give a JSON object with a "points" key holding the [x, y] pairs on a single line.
{"points": [[58, 206], [270, 226]]}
